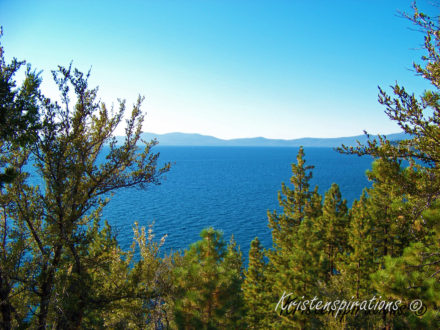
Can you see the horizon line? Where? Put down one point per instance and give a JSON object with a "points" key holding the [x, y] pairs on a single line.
{"points": [[262, 137]]}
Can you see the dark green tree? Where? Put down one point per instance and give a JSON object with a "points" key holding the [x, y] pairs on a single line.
{"points": [[296, 262], [334, 223], [405, 197], [208, 284], [415, 276], [418, 117], [297, 204], [19, 112], [389, 206], [256, 290], [360, 259], [48, 270]]}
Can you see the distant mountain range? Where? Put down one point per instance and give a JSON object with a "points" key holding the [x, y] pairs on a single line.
{"points": [[185, 139]]}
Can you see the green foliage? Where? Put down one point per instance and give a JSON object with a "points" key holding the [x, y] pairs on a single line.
{"points": [[129, 293], [297, 203], [61, 268], [387, 244], [388, 204], [359, 261], [53, 248], [296, 262], [333, 223], [419, 117], [208, 284], [256, 289], [415, 274], [19, 112], [402, 207]]}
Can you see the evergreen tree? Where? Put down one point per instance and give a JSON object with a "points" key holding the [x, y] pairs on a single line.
{"points": [[307, 267], [296, 260], [419, 118], [297, 203], [415, 276], [19, 112], [355, 266], [256, 290], [208, 284], [359, 261], [334, 223], [47, 274], [388, 206], [403, 200]]}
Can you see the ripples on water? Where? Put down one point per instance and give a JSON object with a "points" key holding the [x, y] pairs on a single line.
{"points": [[228, 188]]}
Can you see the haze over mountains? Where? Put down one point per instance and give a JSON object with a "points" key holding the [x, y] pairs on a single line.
{"points": [[185, 139]]}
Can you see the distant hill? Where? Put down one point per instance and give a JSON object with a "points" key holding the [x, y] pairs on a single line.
{"points": [[185, 139]]}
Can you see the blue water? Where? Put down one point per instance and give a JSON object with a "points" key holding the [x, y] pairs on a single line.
{"points": [[228, 188]]}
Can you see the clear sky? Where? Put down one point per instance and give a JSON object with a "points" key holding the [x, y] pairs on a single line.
{"points": [[278, 69]]}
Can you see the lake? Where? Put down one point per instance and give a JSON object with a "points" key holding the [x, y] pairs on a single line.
{"points": [[228, 188]]}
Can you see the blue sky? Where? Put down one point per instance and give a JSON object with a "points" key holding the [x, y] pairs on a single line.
{"points": [[278, 69]]}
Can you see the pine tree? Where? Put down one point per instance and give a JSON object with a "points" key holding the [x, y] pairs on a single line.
{"points": [[45, 230], [359, 261], [415, 275], [256, 290], [403, 200], [355, 265], [388, 206], [19, 112], [296, 262], [334, 222], [208, 284], [307, 267], [297, 203]]}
